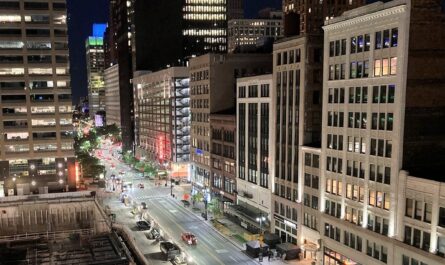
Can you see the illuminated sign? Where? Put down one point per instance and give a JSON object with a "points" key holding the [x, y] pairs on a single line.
{"points": [[99, 29], [95, 41], [199, 151]]}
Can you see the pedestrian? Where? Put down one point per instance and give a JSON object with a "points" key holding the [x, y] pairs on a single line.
{"points": [[270, 254]]}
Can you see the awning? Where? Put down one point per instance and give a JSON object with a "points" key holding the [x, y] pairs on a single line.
{"points": [[247, 215], [310, 247]]}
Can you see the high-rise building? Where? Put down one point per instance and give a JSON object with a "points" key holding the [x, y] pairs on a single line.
{"points": [[36, 119], [205, 25], [308, 16], [250, 35], [297, 94], [212, 85], [254, 124], [162, 115], [383, 106], [94, 46], [112, 95]]}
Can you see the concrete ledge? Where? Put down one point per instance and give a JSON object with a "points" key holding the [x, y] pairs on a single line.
{"points": [[126, 233]]}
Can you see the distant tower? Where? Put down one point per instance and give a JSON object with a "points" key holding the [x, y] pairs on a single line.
{"points": [[94, 46]]}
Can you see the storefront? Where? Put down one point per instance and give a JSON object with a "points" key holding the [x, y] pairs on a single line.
{"points": [[331, 257], [287, 230]]}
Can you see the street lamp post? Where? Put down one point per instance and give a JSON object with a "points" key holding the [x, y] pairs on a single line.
{"points": [[261, 219]]}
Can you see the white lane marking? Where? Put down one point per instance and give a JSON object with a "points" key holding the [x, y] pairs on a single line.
{"points": [[234, 259], [221, 251], [173, 211]]}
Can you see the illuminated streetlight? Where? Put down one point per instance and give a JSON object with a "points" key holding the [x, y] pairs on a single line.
{"points": [[60, 181], [33, 183]]}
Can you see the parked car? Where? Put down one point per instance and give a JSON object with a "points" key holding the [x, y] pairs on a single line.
{"points": [[153, 234], [186, 203], [189, 238], [141, 185], [143, 225], [169, 249]]}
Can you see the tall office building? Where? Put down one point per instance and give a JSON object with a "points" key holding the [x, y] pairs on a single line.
{"points": [[297, 94], [36, 147], [112, 95], [205, 25], [308, 16], [250, 35], [94, 46], [212, 85]]}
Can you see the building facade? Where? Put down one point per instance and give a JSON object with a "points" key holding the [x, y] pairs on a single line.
{"points": [[37, 153], [112, 95], [254, 174], [355, 203], [162, 104], [308, 16], [95, 58], [297, 115], [222, 156], [205, 25], [248, 35], [212, 83]]}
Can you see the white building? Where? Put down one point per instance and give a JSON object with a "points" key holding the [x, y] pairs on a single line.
{"points": [[254, 173]]}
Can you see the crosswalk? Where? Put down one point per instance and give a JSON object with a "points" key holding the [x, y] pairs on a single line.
{"points": [[153, 193]]}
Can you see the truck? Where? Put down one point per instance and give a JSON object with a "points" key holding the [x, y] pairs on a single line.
{"points": [[169, 249]]}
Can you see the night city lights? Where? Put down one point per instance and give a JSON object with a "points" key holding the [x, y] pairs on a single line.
{"points": [[222, 132]]}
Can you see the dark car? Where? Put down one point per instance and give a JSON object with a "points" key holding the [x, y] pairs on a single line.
{"points": [[153, 234], [143, 225], [186, 203]]}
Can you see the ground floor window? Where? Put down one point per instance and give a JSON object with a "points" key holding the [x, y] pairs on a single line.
{"points": [[331, 257]]}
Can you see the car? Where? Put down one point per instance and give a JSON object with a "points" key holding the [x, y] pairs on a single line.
{"points": [[143, 225], [189, 238], [186, 203], [141, 185]]}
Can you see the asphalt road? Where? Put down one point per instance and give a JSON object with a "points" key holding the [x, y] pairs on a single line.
{"points": [[173, 218], [211, 249]]}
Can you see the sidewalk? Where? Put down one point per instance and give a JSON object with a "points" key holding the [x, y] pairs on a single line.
{"points": [[230, 230]]}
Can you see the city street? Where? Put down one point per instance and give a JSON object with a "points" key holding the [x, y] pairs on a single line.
{"points": [[171, 216]]}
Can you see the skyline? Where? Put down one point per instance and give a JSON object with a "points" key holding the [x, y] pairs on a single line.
{"points": [[82, 14]]}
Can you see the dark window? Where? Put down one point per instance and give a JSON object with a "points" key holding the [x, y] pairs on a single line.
{"points": [[343, 46], [36, 6], [442, 216], [378, 40], [367, 42], [386, 39], [394, 37], [9, 5], [353, 44]]}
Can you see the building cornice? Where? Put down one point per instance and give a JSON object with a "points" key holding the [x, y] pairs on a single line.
{"points": [[361, 19]]}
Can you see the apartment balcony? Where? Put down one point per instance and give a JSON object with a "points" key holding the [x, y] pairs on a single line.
{"points": [[45, 140]]}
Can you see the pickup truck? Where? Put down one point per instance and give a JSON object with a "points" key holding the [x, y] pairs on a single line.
{"points": [[169, 249]]}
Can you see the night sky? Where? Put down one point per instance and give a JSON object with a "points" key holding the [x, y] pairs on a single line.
{"points": [[83, 13]]}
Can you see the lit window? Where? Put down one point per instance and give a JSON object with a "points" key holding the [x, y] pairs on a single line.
{"points": [[377, 67]]}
